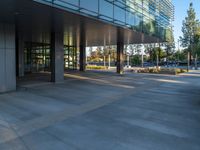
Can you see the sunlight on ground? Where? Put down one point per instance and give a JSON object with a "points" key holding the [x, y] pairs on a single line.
{"points": [[191, 75], [99, 81], [168, 81]]}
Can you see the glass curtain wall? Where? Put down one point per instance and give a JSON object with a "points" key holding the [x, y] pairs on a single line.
{"points": [[70, 57], [36, 57], [70, 52], [152, 17]]}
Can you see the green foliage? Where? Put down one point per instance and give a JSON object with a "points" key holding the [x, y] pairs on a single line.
{"points": [[94, 67], [135, 60], [169, 37], [180, 55], [172, 71], [157, 51], [149, 27], [197, 41], [153, 70], [95, 56], [191, 31], [177, 71], [98, 54]]}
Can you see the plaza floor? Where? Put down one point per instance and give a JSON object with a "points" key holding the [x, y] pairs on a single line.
{"points": [[103, 111]]}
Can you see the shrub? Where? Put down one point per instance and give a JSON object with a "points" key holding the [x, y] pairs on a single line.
{"points": [[154, 70], [159, 70], [180, 70], [96, 67]]}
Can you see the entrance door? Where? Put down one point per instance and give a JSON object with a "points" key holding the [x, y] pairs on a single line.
{"points": [[70, 57], [37, 57]]}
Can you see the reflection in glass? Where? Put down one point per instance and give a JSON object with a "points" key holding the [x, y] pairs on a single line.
{"points": [[143, 15]]}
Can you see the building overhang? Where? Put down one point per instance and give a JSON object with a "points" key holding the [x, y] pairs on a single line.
{"points": [[35, 20]]}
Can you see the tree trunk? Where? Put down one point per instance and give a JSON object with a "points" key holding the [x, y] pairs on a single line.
{"points": [[159, 53], [167, 57]]}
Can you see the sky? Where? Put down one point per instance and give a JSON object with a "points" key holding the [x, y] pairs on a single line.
{"points": [[181, 7]]}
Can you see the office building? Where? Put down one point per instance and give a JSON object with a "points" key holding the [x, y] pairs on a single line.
{"points": [[52, 35]]}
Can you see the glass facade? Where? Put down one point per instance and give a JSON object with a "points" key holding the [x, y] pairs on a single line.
{"points": [[70, 57], [36, 57], [71, 52], [152, 17]]}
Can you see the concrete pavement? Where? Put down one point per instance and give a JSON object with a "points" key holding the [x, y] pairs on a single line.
{"points": [[103, 111]]}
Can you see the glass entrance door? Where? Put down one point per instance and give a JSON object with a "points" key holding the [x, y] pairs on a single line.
{"points": [[70, 57], [37, 57]]}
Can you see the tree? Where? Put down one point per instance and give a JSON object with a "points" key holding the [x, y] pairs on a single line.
{"points": [[170, 45], [132, 49], [180, 55], [149, 49], [90, 51], [170, 49], [197, 41], [189, 29], [157, 51], [135, 51]]}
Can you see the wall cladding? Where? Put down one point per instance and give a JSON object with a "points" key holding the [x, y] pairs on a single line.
{"points": [[7, 58]]}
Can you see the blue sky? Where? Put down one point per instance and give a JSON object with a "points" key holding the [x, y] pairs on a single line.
{"points": [[181, 7]]}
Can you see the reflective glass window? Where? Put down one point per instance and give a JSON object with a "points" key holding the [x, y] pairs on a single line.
{"points": [[130, 18], [138, 19], [73, 4], [120, 3], [106, 9], [89, 6], [119, 14]]}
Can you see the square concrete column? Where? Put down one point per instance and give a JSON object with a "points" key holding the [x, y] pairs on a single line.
{"points": [[20, 54], [82, 46], [7, 58], [120, 50], [57, 56]]}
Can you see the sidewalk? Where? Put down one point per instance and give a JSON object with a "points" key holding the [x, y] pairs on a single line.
{"points": [[98, 111]]}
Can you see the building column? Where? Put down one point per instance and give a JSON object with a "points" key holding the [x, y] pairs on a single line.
{"points": [[57, 56], [7, 58], [120, 50], [20, 54], [82, 46]]}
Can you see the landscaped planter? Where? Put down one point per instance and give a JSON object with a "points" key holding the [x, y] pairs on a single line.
{"points": [[155, 70], [94, 67]]}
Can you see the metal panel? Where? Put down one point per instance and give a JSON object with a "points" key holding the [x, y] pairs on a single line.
{"points": [[10, 74], [2, 70], [2, 40], [9, 36], [7, 58]]}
